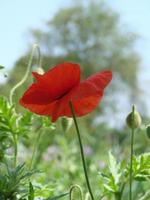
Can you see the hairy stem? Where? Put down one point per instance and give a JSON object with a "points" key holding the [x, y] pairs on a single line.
{"points": [[35, 148], [118, 196], [131, 156], [81, 150], [72, 189], [35, 47], [15, 149]]}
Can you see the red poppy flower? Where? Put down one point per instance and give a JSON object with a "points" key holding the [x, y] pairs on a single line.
{"points": [[51, 93]]}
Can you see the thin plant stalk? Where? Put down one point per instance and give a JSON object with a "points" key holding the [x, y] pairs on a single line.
{"points": [[72, 190], [39, 62], [122, 189], [35, 47], [118, 196], [15, 149], [35, 148], [131, 156], [81, 150]]}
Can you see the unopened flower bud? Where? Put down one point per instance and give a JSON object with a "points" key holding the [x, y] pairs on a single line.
{"points": [[66, 123], [40, 70], [148, 131], [133, 119]]}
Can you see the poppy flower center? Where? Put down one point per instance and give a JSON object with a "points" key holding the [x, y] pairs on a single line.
{"points": [[65, 93]]}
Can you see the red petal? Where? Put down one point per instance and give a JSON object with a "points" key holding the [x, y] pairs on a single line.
{"points": [[46, 109], [101, 79], [37, 76], [85, 97], [50, 86], [36, 94], [60, 79], [42, 96]]}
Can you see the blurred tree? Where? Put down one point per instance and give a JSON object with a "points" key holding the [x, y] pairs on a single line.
{"points": [[90, 34]]}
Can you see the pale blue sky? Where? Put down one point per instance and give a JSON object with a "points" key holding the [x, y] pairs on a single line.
{"points": [[136, 14], [16, 18]]}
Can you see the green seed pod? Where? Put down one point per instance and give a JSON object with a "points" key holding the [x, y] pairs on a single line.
{"points": [[133, 119], [148, 131], [66, 123]]}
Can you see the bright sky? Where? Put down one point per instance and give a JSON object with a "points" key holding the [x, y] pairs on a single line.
{"points": [[136, 14], [18, 16]]}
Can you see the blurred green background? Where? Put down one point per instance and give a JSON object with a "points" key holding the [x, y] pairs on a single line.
{"points": [[92, 34]]}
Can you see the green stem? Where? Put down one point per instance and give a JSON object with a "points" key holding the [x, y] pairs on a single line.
{"points": [[15, 149], [35, 148], [118, 196], [131, 156], [122, 189], [72, 189], [81, 150], [35, 47]]}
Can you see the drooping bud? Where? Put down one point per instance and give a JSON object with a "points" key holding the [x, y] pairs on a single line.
{"points": [[66, 123], [148, 131], [133, 119], [40, 70]]}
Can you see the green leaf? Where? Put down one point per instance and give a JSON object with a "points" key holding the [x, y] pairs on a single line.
{"points": [[14, 179], [58, 197], [114, 168], [12, 123], [141, 167], [31, 192], [24, 123], [113, 179], [110, 189]]}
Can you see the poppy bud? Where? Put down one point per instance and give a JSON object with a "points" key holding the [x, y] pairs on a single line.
{"points": [[148, 131], [40, 70], [133, 119], [66, 123]]}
